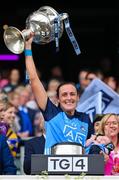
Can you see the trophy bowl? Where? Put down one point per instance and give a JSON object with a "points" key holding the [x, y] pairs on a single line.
{"points": [[41, 23]]}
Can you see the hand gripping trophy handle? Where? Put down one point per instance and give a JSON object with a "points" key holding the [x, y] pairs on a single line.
{"points": [[47, 26]]}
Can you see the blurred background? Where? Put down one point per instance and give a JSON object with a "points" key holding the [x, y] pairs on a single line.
{"points": [[95, 25], [96, 28]]}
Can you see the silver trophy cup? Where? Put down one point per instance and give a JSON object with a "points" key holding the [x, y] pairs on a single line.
{"points": [[41, 23]]}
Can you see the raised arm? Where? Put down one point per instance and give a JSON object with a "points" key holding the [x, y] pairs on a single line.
{"points": [[36, 85]]}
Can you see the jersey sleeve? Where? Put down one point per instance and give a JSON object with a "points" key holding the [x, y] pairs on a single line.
{"points": [[50, 111]]}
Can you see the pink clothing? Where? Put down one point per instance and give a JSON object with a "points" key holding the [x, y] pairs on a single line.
{"points": [[112, 165], [108, 166], [3, 82], [115, 169]]}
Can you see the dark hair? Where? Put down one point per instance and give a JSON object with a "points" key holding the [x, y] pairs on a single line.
{"points": [[65, 83], [97, 118], [91, 72]]}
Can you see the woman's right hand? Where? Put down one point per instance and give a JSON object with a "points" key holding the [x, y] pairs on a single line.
{"points": [[90, 140], [28, 42]]}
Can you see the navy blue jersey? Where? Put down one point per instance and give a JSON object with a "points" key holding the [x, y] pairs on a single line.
{"points": [[60, 127]]}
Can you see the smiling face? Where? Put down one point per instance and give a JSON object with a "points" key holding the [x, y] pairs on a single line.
{"points": [[96, 126], [68, 98], [111, 126], [14, 76], [2, 110], [9, 115]]}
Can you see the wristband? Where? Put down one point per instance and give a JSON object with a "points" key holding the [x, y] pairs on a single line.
{"points": [[28, 52]]}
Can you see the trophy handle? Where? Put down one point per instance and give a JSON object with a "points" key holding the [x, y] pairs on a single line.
{"points": [[26, 33], [63, 16]]}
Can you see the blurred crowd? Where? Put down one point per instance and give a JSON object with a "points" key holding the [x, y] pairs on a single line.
{"points": [[20, 116]]}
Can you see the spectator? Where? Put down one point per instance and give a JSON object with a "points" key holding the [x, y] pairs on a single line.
{"points": [[7, 166], [53, 84], [110, 127], [32, 146], [96, 122], [3, 80], [36, 144], [31, 102], [12, 138], [14, 81], [99, 143], [7, 115], [90, 76], [52, 90], [38, 124], [26, 115], [56, 73], [112, 82], [82, 82]]}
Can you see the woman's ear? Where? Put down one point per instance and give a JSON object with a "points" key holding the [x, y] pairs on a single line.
{"points": [[58, 100]]}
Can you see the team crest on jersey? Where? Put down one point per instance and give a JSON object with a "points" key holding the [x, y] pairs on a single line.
{"points": [[83, 129]]}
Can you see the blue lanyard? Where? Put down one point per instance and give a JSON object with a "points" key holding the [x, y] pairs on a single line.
{"points": [[69, 33], [57, 28]]}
